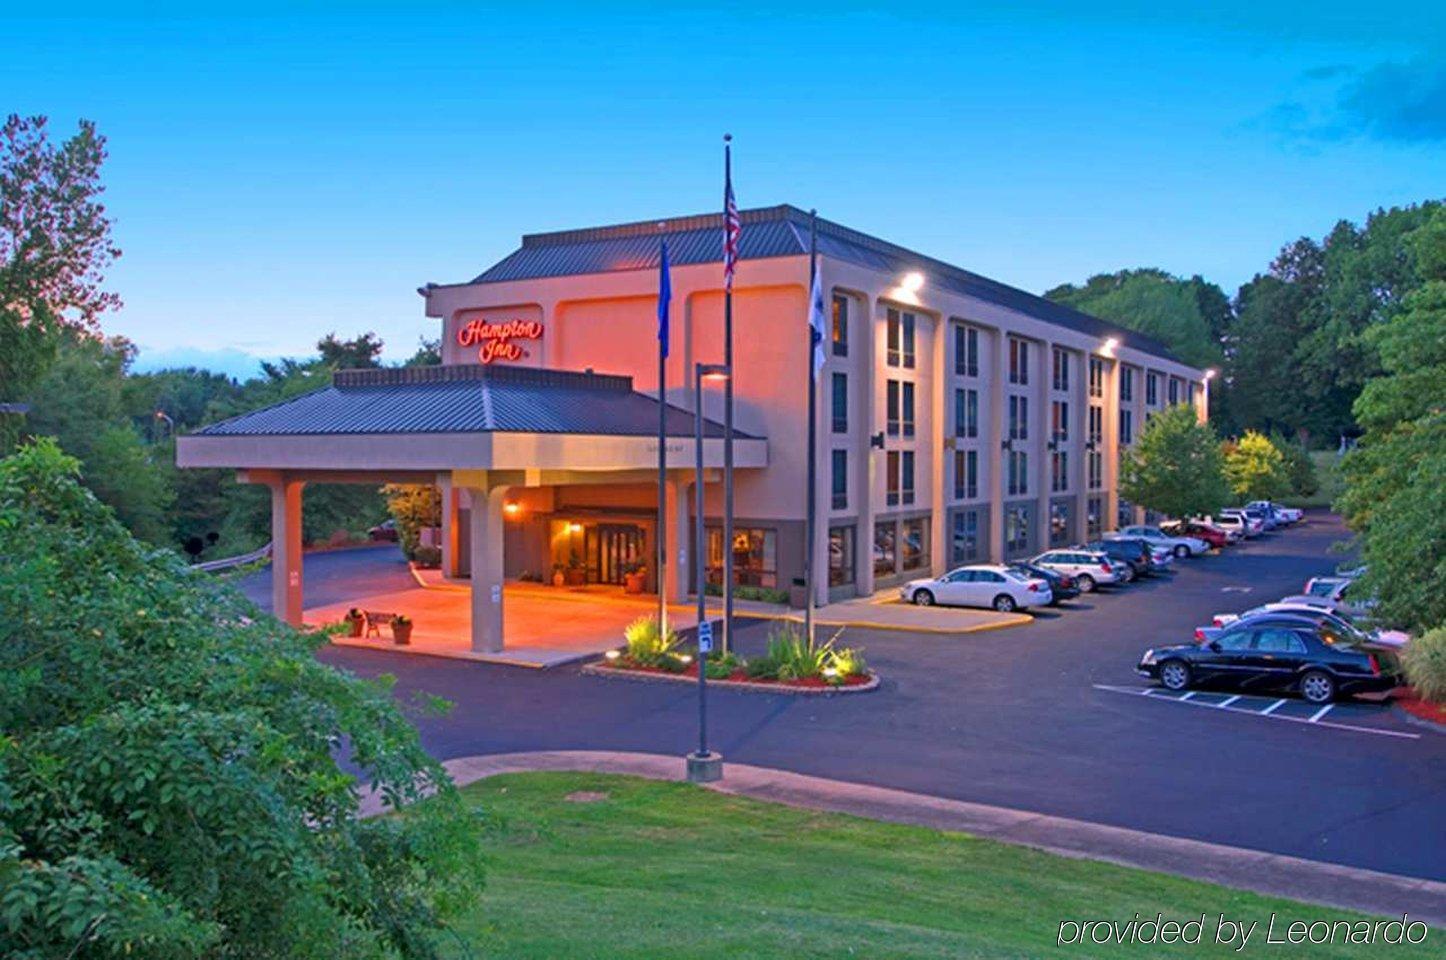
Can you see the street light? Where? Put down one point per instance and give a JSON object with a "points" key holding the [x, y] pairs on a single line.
{"points": [[704, 766], [165, 418]]}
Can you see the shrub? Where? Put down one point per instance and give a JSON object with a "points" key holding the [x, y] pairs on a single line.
{"points": [[647, 645], [761, 594], [425, 556], [169, 776], [722, 667], [848, 661], [793, 654], [1424, 659]]}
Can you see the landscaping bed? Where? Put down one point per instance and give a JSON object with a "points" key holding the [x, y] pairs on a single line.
{"points": [[738, 678], [1412, 703]]}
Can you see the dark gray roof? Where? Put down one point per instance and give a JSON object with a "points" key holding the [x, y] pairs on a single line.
{"points": [[780, 231], [465, 399]]}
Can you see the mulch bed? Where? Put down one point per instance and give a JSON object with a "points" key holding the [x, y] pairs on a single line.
{"points": [[1407, 700], [739, 678]]}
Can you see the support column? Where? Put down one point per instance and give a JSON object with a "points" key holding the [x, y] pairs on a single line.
{"points": [[1111, 519], [286, 549], [451, 530], [940, 399], [487, 575], [996, 416], [675, 574], [1040, 434]]}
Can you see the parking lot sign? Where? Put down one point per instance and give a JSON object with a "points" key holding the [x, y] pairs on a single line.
{"points": [[705, 636]]}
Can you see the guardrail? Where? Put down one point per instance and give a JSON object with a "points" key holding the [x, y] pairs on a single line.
{"points": [[226, 563]]}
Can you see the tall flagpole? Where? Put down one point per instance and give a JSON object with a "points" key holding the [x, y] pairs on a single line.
{"points": [[810, 522], [664, 293], [727, 639]]}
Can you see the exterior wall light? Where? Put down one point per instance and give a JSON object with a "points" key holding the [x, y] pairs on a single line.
{"points": [[913, 281], [512, 508], [1210, 374], [574, 528], [1109, 348]]}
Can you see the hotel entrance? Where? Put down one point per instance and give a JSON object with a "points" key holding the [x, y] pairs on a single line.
{"points": [[613, 549]]}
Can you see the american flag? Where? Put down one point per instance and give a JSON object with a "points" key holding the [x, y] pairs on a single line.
{"points": [[731, 224]]}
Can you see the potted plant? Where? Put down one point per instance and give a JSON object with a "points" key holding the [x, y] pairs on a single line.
{"points": [[355, 621], [401, 629], [635, 577], [559, 577], [576, 572]]}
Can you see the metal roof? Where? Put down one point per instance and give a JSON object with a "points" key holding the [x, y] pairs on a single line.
{"points": [[780, 231], [465, 399]]}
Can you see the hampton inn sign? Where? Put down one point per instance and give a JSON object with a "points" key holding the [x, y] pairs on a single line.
{"points": [[960, 419]]}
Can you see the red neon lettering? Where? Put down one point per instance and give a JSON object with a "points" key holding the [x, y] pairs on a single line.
{"points": [[495, 341]]}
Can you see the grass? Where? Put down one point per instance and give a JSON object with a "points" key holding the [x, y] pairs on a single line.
{"points": [[1328, 474], [598, 866]]}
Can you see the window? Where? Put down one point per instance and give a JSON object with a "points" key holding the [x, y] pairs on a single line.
{"points": [[966, 474], [755, 557], [840, 403], [1018, 361], [1016, 529], [1097, 377], [1235, 639], [1127, 384], [885, 548], [906, 485], [891, 478], [1278, 641], [900, 346], [966, 351], [914, 543], [1018, 418], [839, 478], [1058, 523], [965, 529], [1152, 390], [1095, 467], [1192, 393], [1059, 471], [1174, 391], [908, 417], [1094, 509], [1060, 368], [892, 404], [1096, 425], [1059, 416], [1018, 484], [966, 413], [1127, 427], [840, 326], [840, 556]]}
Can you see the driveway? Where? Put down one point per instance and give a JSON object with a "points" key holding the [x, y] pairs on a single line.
{"points": [[1024, 718]]}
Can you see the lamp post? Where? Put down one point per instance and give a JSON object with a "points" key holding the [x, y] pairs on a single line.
{"points": [[704, 766], [165, 418]]}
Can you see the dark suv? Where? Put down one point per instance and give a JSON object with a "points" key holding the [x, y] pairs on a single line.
{"points": [[1135, 554]]}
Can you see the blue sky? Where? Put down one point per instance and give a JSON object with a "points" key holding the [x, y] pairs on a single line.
{"points": [[295, 169]]}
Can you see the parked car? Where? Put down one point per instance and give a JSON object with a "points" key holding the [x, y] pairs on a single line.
{"points": [[1254, 525], [1181, 547], [1282, 513], [1217, 537], [1089, 568], [386, 530], [1357, 607], [1137, 555], [1233, 522], [1340, 619], [1276, 652], [1061, 586], [979, 585]]}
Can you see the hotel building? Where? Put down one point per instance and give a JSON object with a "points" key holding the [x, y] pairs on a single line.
{"points": [[959, 419]]}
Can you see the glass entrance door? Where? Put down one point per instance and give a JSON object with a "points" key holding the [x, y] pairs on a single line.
{"points": [[611, 549]]}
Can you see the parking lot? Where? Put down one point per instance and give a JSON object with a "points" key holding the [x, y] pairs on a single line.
{"points": [[1048, 717]]}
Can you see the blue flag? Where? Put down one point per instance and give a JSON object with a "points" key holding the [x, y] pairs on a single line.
{"points": [[665, 294]]}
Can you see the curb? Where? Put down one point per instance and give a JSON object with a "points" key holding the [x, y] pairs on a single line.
{"points": [[1018, 620], [647, 676], [1416, 721], [1310, 881]]}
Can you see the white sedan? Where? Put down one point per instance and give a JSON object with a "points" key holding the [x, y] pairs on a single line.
{"points": [[1181, 547], [979, 585]]}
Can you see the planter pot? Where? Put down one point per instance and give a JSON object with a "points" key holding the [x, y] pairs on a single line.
{"points": [[354, 626], [401, 634], [559, 579], [634, 582], [576, 578]]}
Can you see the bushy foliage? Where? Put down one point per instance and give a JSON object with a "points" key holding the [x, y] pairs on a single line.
{"points": [[169, 778], [1424, 660], [1300, 472], [647, 644], [1188, 316], [1255, 468], [414, 506], [1174, 467]]}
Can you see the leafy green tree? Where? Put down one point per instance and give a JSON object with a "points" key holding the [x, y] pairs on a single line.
{"points": [[413, 506], [55, 245], [170, 782], [429, 354], [363, 351], [1174, 466], [1255, 468], [1395, 498], [1300, 470], [1186, 315]]}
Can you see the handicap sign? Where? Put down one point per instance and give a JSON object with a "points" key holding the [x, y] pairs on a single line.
{"points": [[705, 636]]}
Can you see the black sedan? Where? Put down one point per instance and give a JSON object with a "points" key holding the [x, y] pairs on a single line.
{"points": [[1062, 587], [1276, 654]]}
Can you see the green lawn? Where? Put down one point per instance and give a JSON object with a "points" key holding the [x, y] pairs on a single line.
{"points": [[634, 868]]}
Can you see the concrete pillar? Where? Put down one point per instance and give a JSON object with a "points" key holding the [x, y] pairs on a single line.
{"points": [[451, 528], [940, 403], [996, 423], [1110, 521], [1079, 412], [1040, 434], [867, 492], [487, 573], [286, 591], [675, 582]]}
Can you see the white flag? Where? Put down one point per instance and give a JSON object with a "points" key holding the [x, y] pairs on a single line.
{"points": [[816, 320]]}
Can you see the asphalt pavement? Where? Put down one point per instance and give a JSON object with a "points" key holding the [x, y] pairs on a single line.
{"points": [[1048, 717]]}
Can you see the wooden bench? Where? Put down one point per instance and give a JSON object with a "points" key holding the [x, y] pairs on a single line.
{"points": [[376, 619]]}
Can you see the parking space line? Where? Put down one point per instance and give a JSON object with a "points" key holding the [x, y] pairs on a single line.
{"points": [[1227, 701], [1320, 713], [1269, 711], [1188, 695]]}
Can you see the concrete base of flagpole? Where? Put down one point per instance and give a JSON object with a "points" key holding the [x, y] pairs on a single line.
{"points": [[705, 767]]}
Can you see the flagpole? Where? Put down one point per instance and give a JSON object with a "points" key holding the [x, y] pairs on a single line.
{"points": [[810, 521], [664, 292], [727, 638]]}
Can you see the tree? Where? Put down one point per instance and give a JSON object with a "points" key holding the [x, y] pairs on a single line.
{"points": [[55, 245], [354, 354], [414, 506], [1300, 470], [1182, 314], [169, 777], [429, 353], [1174, 467], [1255, 469]]}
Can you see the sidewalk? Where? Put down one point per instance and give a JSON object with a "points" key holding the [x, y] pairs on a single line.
{"points": [[1328, 884]]}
